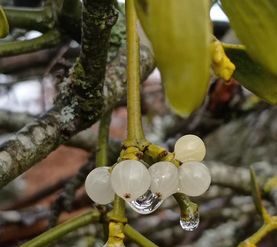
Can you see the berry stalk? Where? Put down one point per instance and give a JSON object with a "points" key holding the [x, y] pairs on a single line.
{"points": [[135, 130]]}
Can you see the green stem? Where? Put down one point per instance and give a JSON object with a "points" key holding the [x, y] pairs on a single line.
{"points": [[187, 207], [135, 130], [103, 140], [118, 212], [47, 40], [137, 237], [40, 19], [261, 233], [119, 208], [117, 220], [59, 231]]}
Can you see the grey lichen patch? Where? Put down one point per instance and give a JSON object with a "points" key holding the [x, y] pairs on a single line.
{"points": [[26, 141], [67, 114], [63, 87], [38, 134], [5, 162]]}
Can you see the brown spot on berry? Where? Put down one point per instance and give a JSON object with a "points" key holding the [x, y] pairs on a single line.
{"points": [[139, 155], [158, 194], [127, 195]]}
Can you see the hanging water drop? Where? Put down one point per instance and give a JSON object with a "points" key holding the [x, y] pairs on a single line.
{"points": [[146, 204], [190, 222]]}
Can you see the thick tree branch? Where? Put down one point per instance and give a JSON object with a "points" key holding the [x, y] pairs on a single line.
{"points": [[78, 106], [14, 121], [31, 144]]}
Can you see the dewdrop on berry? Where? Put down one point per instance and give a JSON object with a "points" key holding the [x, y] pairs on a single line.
{"points": [[189, 148], [194, 178], [98, 186], [130, 179], [164, 179]]}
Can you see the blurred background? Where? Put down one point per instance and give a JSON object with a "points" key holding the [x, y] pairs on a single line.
{"points": [[238, 129]]}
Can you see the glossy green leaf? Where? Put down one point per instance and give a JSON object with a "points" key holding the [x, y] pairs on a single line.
{"points": [[252, 75], [4, 25], [255, 23], [180, 35]]}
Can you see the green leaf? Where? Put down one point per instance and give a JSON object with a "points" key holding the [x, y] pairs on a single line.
{"points": [[256, 193], [252, 75], [180, 35], [255, 23], [4, 25]]}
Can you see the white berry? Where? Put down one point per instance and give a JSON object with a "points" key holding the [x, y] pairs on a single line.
{"points": [[164, 179], [189, 148], [194, 178], [98, 186], [130, 179]]}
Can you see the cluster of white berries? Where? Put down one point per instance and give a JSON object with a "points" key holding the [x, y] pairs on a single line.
{"points": [[130, 179]]}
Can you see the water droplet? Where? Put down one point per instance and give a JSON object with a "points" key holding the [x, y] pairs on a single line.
{"points": [[190, 222], [146, 204]]}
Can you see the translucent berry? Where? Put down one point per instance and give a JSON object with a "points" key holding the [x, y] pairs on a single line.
{"points": [[130, 179], [98, 186], [189, 148], [194, 178], [164, 179]]}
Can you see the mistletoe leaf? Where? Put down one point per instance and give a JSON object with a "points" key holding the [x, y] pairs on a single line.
{"points": [[256, 193], [255, 23], [180, 35], [4, 25], [252, 75]]}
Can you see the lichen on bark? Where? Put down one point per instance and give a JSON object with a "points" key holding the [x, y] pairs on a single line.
{"points": [[83, 100]]}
